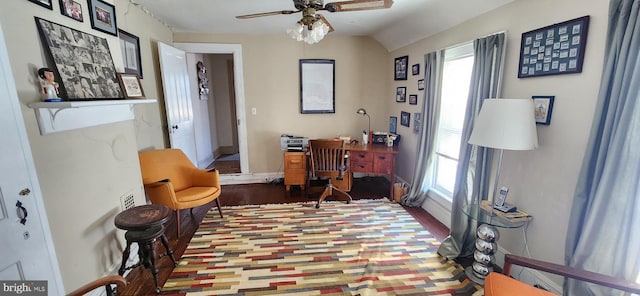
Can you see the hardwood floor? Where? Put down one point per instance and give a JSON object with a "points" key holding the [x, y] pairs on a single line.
{"points": [[140, 279]]}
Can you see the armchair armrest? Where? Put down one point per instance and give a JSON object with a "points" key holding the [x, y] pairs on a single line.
{"points": [[205, 178], [566, 271], [162, 192]]}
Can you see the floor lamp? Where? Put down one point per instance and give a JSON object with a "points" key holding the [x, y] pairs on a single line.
{"points": [[501, 124]]}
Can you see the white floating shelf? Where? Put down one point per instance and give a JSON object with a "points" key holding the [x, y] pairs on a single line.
{"points": [[56, 117]]}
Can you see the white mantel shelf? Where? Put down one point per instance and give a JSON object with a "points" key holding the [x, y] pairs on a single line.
{"points": [[56, 117]]}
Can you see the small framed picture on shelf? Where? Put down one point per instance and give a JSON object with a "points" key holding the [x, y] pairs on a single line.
{"points": [[405, 118], [413, 99], [415, 69], [400, 68], [393, 124], [401, 94], [543, 107], [131, 87], [421, 84]]}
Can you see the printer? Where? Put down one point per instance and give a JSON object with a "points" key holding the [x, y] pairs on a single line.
{"points": [[293, 143]]}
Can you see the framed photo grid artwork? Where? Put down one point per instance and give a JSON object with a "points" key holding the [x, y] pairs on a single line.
{"points": [[400, 68], [553, 50], [83, 63], [543, 107]]}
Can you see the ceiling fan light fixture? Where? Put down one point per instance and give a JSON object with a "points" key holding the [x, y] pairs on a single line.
{"points": [[301, 32]]}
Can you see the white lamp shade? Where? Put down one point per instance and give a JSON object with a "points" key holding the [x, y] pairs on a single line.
{"points": [[506, 124]]}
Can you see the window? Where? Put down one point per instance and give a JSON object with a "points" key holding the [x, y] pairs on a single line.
{"points": [[456, 77]]}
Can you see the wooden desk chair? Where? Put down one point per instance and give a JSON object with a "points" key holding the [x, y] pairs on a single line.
{"points": [[328, 161], [497, 284]]}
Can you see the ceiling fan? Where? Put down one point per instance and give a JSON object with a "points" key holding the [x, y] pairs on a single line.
{"points": [[309, 9]]}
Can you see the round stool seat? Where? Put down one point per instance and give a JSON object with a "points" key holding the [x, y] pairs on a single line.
{"points": [[148, 234]]}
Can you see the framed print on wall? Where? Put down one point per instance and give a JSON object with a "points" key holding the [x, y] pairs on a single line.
{"points": [[400, 68], [71, 9], [401, 94], [393, 124], [415, 69], [130, 47], [543, 107], [413, 99], [317, 86], [417, 122], [421, 84], [405, 118], [103, 16], [131, 87], [553, 50], [43, 3]]}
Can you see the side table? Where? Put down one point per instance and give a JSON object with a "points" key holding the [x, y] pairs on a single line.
{"points": [[144, 225], [487, 236]]}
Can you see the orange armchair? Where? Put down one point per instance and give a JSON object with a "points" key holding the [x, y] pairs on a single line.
{"points": [[497, 284], [171, 179]]}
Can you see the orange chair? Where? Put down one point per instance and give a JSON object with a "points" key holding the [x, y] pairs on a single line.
{"points": [[171, 179], [328, 161], [496, 284]]}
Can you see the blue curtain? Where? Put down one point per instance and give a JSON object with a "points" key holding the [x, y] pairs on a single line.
{"points": [[604, 227], [474, 162], [430, 109]]}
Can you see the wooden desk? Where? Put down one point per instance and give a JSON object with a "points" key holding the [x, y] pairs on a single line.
{"points": [[367, 159], [373, 159]]}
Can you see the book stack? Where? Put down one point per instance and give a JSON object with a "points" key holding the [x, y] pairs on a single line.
{"points": [[515, 216]]}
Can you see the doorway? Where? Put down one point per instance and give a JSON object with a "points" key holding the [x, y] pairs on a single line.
{"points": [[234, 66]]}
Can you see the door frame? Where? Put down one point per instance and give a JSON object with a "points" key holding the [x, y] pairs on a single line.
{"points": [[236, 51]]}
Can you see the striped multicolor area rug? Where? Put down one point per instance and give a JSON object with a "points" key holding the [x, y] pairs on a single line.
{"points": [[368, 247]]}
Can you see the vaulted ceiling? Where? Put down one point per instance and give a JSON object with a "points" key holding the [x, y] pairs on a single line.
{"points": [[405, 22]]}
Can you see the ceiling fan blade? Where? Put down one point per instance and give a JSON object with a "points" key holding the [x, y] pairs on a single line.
{"points": [[247, 16], [324, 20], [357, 5]]}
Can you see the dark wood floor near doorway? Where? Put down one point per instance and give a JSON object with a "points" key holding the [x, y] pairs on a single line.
{"points": [[140, 279]]}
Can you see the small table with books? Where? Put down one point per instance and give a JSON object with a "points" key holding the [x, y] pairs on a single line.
{"points": [[487, 235]]}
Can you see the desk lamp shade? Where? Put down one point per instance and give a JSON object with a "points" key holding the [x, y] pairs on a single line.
{"points": [[506, 124]]}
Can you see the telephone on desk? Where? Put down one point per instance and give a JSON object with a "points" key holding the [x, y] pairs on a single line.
{"points": [[500, 203]]}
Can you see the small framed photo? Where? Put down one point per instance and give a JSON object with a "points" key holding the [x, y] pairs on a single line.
{"points": [[130, 47], [413, 99], [103, 16], [400, 68], [417, 122], [543, 107], [393, 124], [71, 9], [415, 69], [43, 3], [131, 87], [421, 84], [401, 94], [405, 118]]}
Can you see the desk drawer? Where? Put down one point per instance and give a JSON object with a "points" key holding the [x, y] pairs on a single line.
{"points": [[360, 156], [360, 166], [295, 161], [383, 163]]}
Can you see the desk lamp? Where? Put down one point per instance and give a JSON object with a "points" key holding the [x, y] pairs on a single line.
{"points": [[363, 112], [501, 124]]}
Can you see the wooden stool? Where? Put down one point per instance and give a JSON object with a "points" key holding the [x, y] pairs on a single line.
{"points": [[144, 227]]}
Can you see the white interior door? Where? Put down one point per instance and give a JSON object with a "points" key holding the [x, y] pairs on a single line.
{"points": [[177, 100], [27, 248]]}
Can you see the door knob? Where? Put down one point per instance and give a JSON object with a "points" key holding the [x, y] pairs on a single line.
{"points": [[22, 213], [174, 127]]}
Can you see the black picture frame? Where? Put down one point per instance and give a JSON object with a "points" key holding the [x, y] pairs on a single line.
{"points": [[393, 124], [401, 94], [421, 84], [415, 69], [543, 108], [413, 99], [317, 86], [417, 122], [72, 9], [130, 47], [44, 3], [405, 118], [83, 64], [103, 17], [554, 50], [400, 68]]}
